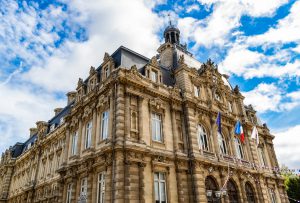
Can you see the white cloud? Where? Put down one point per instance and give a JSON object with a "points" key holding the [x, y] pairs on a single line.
{"points": [[20, 108], [285, 31], [122, 25], [287, 148], [217, 28], [270, 97], [239, 59], [264, 97], [193, 7]]}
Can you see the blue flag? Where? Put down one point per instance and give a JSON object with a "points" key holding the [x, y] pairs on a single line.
{"points": [[218, 122], [237, 129]]}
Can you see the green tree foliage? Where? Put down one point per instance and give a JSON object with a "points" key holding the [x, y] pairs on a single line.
{"points": [[292, 183]]}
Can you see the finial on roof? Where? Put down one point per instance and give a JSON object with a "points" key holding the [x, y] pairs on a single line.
{"points": [[169, 16]]}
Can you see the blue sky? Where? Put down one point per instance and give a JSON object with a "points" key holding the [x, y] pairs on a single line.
{"points": [[45, 46]]}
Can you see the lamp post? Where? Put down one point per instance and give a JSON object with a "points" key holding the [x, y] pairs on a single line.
{"points": [[218, 194]]}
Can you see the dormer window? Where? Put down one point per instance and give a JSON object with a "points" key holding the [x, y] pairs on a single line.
{"points": [[214, 79], [106, 71], [196, 91], [154, 76], [61, 120], [52, 127], [217, 96], [91, 84], [229, 107]]}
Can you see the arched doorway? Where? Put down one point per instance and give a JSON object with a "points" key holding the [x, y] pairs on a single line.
{"points": [[232, 192], [249, 193], [211, 188]]}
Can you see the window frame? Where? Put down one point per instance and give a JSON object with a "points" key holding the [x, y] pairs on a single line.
{"points": [[222, 144], [262, 156], [74, 143], [88, 134], [101, 187], [104, 125], [69, 193], [238, 148], [161, 180], [83, 187], [272, 195], [156, 126], [202, 136], [106, 71], [196, 91], [154, 75]]}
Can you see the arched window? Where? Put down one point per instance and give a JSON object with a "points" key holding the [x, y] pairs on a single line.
{"points": [[232, 192], [238, 148], [211, 188], [249, 193], [202, 138], [222, 144]]}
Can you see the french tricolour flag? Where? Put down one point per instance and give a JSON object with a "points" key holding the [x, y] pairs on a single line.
{"points": [[239, 131]]}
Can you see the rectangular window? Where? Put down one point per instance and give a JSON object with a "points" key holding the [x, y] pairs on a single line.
{"points": [[156, 127], [52, 127], [69, 193], [154, 76], [83, 188], [74, 143], [101, 188], [196, 91], [262, 156], [61, 120], [104, 125], [106, 71], [160, 188], [88, 135]]}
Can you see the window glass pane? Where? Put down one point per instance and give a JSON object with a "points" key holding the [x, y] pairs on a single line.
{"points": [[162, 191], [156, 190], [156, 127], [105, 117]]}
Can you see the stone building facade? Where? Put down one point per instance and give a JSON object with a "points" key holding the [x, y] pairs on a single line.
{"points": [[144, 130]]}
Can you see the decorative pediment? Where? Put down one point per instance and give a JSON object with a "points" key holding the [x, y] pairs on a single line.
{"points": [[74, 122], [153, 61], [157, 103], [87, 112], [103, 102]]}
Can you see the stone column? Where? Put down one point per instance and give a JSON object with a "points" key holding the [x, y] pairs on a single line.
{"points": [[141, 182], [214, 138], [94, 129], [174, 130], [127, 116], [132, 186], [140, 121], [67, 148], [79, 140]]}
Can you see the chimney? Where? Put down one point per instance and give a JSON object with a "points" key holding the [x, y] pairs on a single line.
{"points": [[57, 110], [32, 131], [71, 96]]}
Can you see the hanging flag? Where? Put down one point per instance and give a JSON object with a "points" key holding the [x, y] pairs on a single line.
{"points": [[254, 135], [238, 130], [218, 122]]}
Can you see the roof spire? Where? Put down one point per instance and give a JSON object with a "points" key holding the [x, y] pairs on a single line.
{"points": [[170, 22], [172, 33]]}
